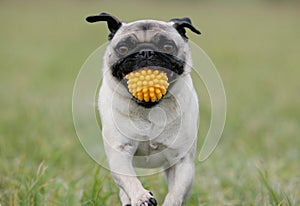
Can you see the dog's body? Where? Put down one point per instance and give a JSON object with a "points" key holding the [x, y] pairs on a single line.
{"points": [[154, 134]]}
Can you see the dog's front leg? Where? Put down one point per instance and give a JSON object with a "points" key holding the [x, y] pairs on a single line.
{"points": [[180, 179], [120, 162]]}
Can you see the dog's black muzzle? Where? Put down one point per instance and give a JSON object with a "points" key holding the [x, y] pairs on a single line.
{"points": [[147, 58], [170, 64]]}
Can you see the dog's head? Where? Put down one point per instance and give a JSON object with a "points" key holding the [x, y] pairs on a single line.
{"points": [[146, 44]]}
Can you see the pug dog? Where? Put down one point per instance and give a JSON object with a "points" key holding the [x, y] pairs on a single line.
{"points": [[156, 133]]}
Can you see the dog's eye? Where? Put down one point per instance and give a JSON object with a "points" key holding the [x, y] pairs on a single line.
{"points": [[123, 50], [168, 48]]}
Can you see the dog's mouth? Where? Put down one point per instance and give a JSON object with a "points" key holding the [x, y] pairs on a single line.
{"points": [[164, 65]]}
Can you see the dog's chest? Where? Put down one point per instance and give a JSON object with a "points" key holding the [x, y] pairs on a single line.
{"points": [[157, 122], [149, 148]]}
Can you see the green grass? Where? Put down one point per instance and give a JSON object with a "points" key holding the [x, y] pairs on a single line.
{"points": [[255, 47]]}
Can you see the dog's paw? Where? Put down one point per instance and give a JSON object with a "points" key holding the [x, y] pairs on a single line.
{"points": [[145, 199]]}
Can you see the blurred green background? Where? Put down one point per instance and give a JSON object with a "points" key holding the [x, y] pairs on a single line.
{"points": [[254, 45]]}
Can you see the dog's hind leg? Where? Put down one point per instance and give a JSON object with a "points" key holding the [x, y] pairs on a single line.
{"points": [[124, 198], [180, 179]]}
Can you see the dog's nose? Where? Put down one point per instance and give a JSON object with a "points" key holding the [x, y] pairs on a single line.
{"points": [[146, 53]]}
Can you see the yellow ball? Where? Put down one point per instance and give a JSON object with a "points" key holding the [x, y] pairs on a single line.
{"points": [[147, 84]]}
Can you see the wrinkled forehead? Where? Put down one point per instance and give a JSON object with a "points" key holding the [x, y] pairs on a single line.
{"points": [[145, 25], [145, 30]]}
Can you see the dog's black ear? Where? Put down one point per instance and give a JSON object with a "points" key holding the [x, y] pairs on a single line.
{"points": [[181, 23], [113, 23]]}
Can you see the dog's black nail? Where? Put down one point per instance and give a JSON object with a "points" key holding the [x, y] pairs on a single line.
{"points": [[127, 205], [151, 193], [153, 201]]}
